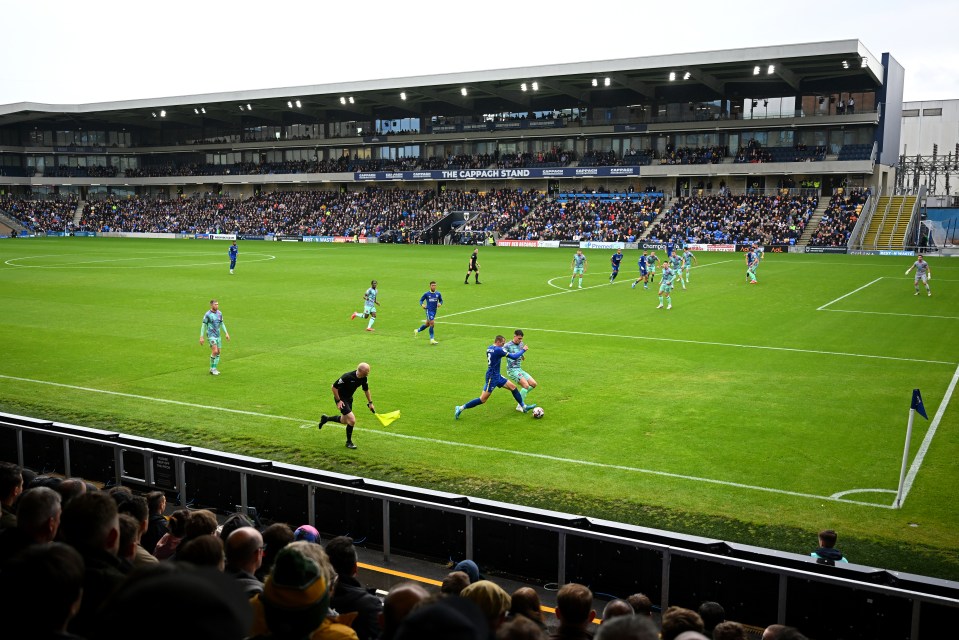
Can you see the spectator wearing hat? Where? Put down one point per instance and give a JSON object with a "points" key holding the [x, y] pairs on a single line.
{"points": [[470, 568], [307, 533], [295, 603], [348, 594], [491, 599]]}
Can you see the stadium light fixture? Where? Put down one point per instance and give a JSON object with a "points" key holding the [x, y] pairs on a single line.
{"points": [[350, 99], [153, 113], [864, 63], [162, 113], [248, 107], [522, 87], [771, 69], [606, 82], [535, 86], [197, 111], [463, 92], [289, 104], [595, 82], [756, 70], [402, 95], [845, 64], [687, 75], [203, 109], [298, 105], [672, 76], [241, 107]]}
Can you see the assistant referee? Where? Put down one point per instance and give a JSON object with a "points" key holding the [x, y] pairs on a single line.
{"points": [[343, 390]]}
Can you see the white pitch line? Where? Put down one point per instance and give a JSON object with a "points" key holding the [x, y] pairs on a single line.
{"points": [[850, 293], [713, 344], [525, 454], [927, 441], [890, 313]]}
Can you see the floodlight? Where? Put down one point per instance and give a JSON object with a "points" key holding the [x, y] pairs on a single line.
{"points": [[606, 82], [756, 70], [770, 69], [672, 76], [248, 108], [463, 92], [535, 86], [298, 105], [289, 104], [595, 82], [687, 75], [864, 63], [342, 100], [522, 87], [203, 109], [351, 101], [402, 95], [162, 113], [196, 111]]}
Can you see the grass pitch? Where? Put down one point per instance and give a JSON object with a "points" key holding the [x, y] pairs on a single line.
{"points": [[754, 413]]}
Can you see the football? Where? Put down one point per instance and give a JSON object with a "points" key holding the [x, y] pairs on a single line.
{"points": [[538, 412]]}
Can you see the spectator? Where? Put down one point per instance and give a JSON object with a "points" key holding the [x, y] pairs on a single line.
{"points": [[491, 599], [398, 604], [773, 631], [167, 545], [201, 522], [676, 620], [641, 604], [348, 594], [129, 541], [308, 533], [138, 508], [470, 568], [296, 597], [615, 608], [525, 602], [41, 591], [712, 613], [827, 552], [202, 551], [157, 524], [632, 627], [574, 610], [520, 629], [728, 630], [231, 524], [70, 489], [450, 618], [244, 555], [275, 538], [91, 524], [38, 519], [454, 583], [11, 486]]}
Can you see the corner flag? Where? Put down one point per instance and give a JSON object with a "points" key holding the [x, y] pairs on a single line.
{"points": [[386, 418], [917, 404]]}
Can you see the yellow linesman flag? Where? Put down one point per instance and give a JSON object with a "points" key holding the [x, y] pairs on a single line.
{"points": [[387, 418]]}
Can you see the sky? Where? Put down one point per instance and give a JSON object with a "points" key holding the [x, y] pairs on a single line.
{"points": [[69, 52]]}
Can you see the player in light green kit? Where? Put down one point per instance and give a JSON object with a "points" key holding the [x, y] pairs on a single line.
{"points": [[514, 368], [651, 266], [666, 287], [579, 268], [212, 323], [369, 306], [676, 263], [688, 259]]}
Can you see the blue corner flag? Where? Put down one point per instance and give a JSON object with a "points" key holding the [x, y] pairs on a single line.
{"points": [[917, 403]]}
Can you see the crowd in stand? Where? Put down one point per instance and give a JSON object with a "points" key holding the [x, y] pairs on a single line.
{"points": [[400, 215], [40, 216], [776, 219], [839, 219], [81, 562], [698, 155]]}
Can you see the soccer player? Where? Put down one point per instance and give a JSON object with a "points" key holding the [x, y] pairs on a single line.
{"points": [[614, 263], [234, 250], [643, 271], [473, 268], [494, 355], [676, 264], [751, 264], [212, 323], [578, 266], [666, 287], [670, 245], [343, 390], [431, 301], [651, 266], [369, 306], [688, 258], [922, 274], [514, 368]]}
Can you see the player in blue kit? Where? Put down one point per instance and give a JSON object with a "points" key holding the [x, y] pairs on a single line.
{"points": [[643, 271], [369, 306], [751, 263], [670, 245], [614, 263], [431, 301], [212, 323], [494, 356], [234, 250]]}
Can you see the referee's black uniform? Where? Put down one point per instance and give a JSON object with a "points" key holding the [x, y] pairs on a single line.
{"points": [[473, 268], [344, 387]]}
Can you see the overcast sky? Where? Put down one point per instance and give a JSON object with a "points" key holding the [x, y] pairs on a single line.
{"points": [[67, 52]]}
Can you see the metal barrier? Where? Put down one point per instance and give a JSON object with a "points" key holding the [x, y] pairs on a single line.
{"points": [[756, 586]]}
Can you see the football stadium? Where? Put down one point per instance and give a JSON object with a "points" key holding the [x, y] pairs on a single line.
{"points": [[718, 313]]}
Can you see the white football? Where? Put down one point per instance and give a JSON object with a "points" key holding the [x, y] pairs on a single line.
{"points": [[538, 412]]}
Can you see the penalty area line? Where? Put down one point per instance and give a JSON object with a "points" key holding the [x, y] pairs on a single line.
{"points": [[850, 293], [464, 445]]}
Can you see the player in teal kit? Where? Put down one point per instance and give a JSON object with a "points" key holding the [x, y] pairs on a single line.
{"points": [[514, 368], [751, 263], [676, 266], [212, 323], [494, 379], [688, 259], [431, 301], [369, 306], [666, 287], [579, 268]]}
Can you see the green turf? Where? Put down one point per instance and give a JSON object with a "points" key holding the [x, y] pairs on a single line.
{"points": [[736, 414]]}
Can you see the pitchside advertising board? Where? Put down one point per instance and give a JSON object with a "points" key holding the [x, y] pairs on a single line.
{"points": [[825, 250], [497, 174], [886, 252]]}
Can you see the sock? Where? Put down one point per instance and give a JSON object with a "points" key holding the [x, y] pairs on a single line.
{"points": [[421, 328], [519, 398], [431, 332], [475, 402], [476, 277], [334, 419], [349, 433], [372, 320], [523, 392], [580, 282], [669, 301], [213, 360], [216, 362], [660, 299]]}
